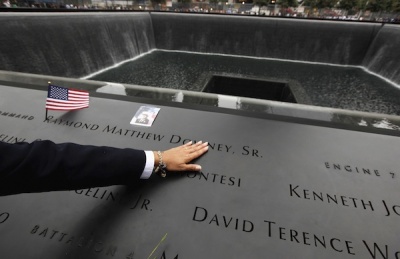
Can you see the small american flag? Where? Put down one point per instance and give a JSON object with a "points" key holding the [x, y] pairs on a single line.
{"points": [[64, 99]]}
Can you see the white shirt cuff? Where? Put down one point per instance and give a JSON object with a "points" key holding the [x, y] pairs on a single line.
{"points": [[148, 168]]}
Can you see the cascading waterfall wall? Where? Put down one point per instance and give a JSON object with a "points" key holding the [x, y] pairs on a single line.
{"points": [[303, 40], [79, 44], [383, 57], [72, 45]]}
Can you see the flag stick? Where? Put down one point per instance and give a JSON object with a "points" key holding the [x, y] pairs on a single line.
{"points": [[47, 93]]}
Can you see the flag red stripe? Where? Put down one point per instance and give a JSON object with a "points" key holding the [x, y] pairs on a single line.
{"points": [[65, 108], [78, 95], [66, 104], [78, 91]]}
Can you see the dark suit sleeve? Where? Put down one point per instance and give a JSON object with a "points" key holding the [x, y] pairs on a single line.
{"points": [[45, 166]]}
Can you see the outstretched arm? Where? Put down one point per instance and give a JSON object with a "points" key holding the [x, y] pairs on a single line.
{"points": [[45, 166]]}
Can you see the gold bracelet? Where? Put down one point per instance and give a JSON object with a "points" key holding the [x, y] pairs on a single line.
{"points": [[161, 169]]}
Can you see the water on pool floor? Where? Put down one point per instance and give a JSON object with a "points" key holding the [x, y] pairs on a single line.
{"points": [[325, 85]]}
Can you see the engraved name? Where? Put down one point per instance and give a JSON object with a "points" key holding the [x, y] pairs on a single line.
{"points": [[278, 231], [132, 133], [72, 124], [220, 147], [339, 245], [387, 208], [120, 198], [17, 115], [175, 139], [223, 221], [215, 178], [305, 238], [11, 139], [346, 201], [84, 242]]}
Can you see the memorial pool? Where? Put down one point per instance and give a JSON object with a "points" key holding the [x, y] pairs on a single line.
{"points": [[326, 85]]}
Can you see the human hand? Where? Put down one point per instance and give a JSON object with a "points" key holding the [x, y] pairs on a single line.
{"points": [[178, 158]]}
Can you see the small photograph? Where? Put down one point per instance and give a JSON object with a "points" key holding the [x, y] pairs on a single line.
{"points": [[145, 116]]}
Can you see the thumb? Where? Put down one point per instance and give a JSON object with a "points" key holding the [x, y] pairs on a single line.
{"points": [[192, 167]]}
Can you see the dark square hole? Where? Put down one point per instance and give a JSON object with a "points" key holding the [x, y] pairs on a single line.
{"points": [[252, 88]]}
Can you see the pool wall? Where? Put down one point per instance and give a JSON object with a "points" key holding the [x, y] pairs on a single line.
{"points": [[78, 44]]}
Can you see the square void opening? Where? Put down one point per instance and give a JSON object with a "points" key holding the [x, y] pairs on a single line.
{"points": [[252, 88]]}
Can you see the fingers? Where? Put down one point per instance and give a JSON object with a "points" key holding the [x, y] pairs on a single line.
{"points": [[199, 152], [179, 158], [190, 145], [196, 146], [196, 150]]}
